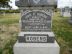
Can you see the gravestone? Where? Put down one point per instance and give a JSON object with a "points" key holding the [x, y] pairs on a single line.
{"points": [[70, 20], [65, 12], [36, 36], [62, 11]]}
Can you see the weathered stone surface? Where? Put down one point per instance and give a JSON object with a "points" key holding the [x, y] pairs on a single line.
{"points": [[36, 37], [25, 3], [36, 23], [70, 20], [71, 13], [65, 12], [36, 48], [36, 20]]}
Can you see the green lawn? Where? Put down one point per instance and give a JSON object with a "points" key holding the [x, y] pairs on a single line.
{"points": [[9, 18], [9, 28], [63, 32]]}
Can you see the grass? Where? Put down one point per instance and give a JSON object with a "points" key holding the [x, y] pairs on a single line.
{"points": [[9, 18], [8, 32], [9, 28], [63, 31]]}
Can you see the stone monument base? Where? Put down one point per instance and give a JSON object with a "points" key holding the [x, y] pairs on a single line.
{"points": [[36, 48], [49, 37]]}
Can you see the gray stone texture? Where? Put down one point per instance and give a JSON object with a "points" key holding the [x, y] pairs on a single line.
{"points": [[36, 48], [71, 13], [25, 3], [70, 20], [36, 20], [38, 37], [65, 12], [22, 39], [36, 23]]}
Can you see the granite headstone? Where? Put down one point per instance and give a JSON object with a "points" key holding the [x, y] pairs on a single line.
{"points": [[36, 36], [70, 20], [71, 13], [65, 12], [36, 20], [36, 17]]}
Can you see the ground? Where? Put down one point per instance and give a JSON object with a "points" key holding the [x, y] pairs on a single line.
{"points": [[9, 28]]}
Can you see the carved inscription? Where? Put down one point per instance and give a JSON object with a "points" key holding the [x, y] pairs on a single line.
{"points": [[36, 21], [36, 38]]}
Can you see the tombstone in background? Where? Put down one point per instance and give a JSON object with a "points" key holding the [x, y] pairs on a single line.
{"points": [[61, 11], [65, 12], [70, 20], [36, 36]]}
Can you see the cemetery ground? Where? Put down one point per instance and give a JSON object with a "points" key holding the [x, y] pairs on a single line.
{"points": [[9, 28]]}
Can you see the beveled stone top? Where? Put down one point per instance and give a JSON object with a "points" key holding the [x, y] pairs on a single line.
{"points": [[32, 3], [51, 34]]}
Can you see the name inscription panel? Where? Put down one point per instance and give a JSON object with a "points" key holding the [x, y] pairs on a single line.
{"points": [[36, 21], [36, 38]]}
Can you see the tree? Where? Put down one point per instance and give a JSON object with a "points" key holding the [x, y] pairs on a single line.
{"points": [[55, 8], [4, 3]]}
